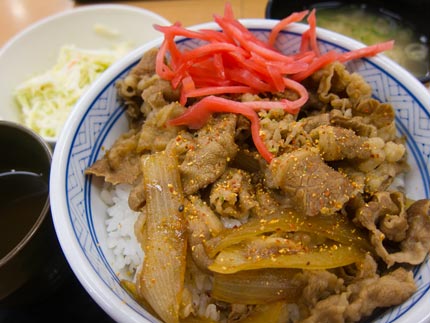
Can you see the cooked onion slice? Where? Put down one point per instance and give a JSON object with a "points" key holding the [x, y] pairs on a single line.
{"points": [[257, 286], [161, 279], [335, 227], [273, 312], [247, 257]]}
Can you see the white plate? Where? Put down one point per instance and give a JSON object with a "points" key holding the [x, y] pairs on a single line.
{"points": [[36, 49]]}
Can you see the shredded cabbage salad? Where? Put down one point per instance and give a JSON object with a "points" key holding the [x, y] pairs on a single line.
{"points": [[46, 100]]}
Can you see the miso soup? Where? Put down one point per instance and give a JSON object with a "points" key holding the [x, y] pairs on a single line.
{"points": [[411, 49], [23, 195]]}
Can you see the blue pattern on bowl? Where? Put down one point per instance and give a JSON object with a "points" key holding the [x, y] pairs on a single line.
{"points": [[104, 120]]}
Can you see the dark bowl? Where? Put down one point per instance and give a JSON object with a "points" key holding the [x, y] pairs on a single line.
{"points": [[31, 261], [414, 13]]}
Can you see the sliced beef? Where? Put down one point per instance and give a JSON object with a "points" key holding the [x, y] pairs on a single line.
{"points": [[146, 64], [213, 148], [203, 224], [143, 90], [388, 222], [314, 121], [366, 295], [156, 94], [154, 134], [312, 185], [336, 143], [356, 123], [121, 163], [416, 245], [381, 115], [329, 310], [339, 88], [319, 285], [233, 195], [137, 198], [330, 299]]}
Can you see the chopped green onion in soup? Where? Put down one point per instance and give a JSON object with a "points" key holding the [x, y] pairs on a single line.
{"points": [[411, 50]]}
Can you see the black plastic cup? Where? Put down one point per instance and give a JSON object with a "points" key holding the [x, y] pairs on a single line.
{"points": [[32, 264]]}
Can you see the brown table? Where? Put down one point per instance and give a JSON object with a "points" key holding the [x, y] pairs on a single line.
{"points": [[16, 15]]}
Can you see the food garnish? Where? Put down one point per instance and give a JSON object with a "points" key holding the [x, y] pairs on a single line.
{"points": [[233, 60], [45, 100]]}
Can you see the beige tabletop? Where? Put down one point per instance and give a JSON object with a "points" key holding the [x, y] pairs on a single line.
{"points": [[16, 15]]}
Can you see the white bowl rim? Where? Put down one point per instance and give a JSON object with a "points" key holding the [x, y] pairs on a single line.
{"points": [[71, 248], [76, 10]]}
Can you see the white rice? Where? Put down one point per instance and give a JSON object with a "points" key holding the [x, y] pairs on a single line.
{"points": [[121, 240], [127, 255]]}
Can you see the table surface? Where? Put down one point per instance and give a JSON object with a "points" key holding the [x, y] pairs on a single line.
{"points": [[16, 15]]}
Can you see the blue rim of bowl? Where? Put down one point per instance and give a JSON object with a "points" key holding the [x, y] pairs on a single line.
{"points": [[111, 123]]}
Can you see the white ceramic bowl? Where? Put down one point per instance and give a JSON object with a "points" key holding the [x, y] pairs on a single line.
{"points": [[36, 49], [98, 119]]}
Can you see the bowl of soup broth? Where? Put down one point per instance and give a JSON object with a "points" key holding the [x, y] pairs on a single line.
{"points": [[371, 22], [31, 262]]}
